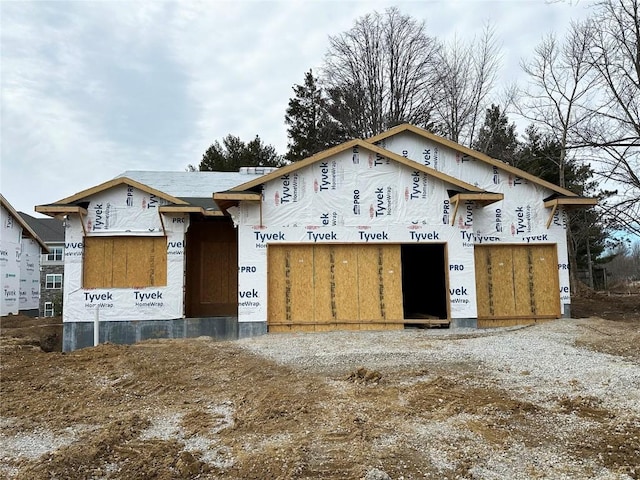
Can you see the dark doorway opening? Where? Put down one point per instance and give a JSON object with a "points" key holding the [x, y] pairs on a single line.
{"points": [[424, 285], [211, 283]]}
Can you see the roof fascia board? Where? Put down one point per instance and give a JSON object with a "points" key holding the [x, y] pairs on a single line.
{"points": [[346, 146], [572, 201], [119, 181], [53, 210], [475, 154], [239, 196]]}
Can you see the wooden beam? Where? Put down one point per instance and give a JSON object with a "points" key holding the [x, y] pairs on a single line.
{"points": [[575, 202], [53, 210], [455, 199], [483, 198], [238, 196], [572, 202], [553, 212]]}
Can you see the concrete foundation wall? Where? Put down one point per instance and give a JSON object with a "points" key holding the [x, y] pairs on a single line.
{"points": [[464, 323], [80, 334]]}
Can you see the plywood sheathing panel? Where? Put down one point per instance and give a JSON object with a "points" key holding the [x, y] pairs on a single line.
{"points": [[516, 284], [301, 288], [124, 262], [346, 280], [368, 286], [277, 283], [334, 286], [325, 306], [392, 275], [545, 277]]}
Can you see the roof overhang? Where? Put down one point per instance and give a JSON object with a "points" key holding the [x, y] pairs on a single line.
{"points": [[554, 202], [55, 210], [228, 199], [348, 146], [406, 127], [481, 198]]}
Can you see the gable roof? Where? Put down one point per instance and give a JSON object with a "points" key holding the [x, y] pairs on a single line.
{"points": [[406, 127], [113, 183], [346, 146], [21, 221], [50, 230]]}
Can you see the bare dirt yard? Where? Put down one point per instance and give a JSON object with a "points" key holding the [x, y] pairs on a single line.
{"points": [[554, 400]]}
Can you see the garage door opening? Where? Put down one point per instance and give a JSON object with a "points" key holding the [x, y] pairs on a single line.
{"points": [[424, 286]]}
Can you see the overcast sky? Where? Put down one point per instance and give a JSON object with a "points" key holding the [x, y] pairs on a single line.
{"points": [[91, 89]]}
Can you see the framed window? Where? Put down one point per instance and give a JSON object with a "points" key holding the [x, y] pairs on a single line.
{"points": [[48, 309], [55, 254], [124, 262], [53, 281]]}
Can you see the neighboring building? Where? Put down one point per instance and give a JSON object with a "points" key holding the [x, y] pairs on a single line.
{"points": [[405, 228], [20, 249], [51, 231]]}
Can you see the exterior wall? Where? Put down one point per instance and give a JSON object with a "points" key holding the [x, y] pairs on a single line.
{"points": [[10, 253], [359, 197], [353, 197], [520, 218], [30, 277], [124, 211], [49, 267]]}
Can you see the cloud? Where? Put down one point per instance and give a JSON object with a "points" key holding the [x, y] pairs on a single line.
{"points": [[90, 89]]}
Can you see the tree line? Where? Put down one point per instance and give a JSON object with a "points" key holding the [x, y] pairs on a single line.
{"points": [[581, 99]]}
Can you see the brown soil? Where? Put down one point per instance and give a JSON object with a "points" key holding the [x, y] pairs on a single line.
{"points": [[266, 420]]}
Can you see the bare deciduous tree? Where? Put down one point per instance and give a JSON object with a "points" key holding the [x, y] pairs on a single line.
{"points": [[559, 84], [466, 75], [614, 127], [381, 73]]}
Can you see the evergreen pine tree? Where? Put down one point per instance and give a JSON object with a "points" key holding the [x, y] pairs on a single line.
{"points": [[311, 128]]}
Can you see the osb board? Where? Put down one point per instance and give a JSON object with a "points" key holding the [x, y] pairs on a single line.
{"points": [[368, 284], [276, 264], [523, 287], [516, 284], [218, 264], [545, 277], [484, 287], [301, 285], [346, 281], [124, 262], [392, 278], [326, 287]]}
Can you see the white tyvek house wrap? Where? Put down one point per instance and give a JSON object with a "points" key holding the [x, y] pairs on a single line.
{"points": [[10, 252], [123, 211], [353, 197], [520, 218], [30, 275]]}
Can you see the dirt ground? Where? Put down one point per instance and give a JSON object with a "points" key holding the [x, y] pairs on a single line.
{"points": [[192, 409]]}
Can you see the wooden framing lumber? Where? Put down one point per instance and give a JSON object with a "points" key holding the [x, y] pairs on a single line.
{"points": [[576, 202]]}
